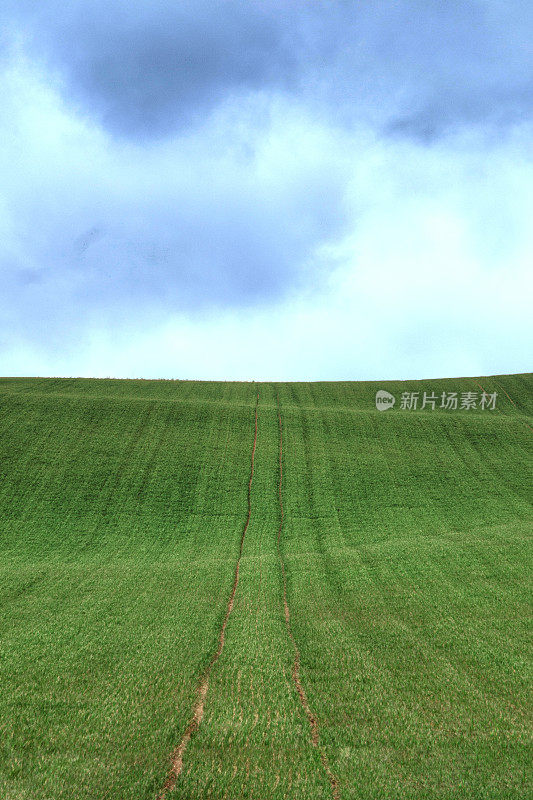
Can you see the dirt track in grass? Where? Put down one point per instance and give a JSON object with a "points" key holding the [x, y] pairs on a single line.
{"points": [[176, 759], [311, 718]]}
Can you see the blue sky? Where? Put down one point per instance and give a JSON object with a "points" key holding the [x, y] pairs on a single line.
{"points": [[266, 190]]}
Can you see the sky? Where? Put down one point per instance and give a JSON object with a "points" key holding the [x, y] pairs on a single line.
{"points": [[266, 189]]}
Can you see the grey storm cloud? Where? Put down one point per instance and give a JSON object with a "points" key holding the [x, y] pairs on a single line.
{"points": [[411, 67], [99, 229], [188, 158], [149, 68]]}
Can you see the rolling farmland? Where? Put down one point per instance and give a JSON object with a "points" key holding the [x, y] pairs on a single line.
{"points": [[273, 590]]}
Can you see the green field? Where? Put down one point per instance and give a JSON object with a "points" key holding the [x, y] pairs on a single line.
{"points": [[400, 665]]}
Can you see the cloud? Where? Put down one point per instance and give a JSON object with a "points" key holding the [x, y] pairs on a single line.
{"points": [[230, 217], [265, 188], [431, 278], [420, 70], [150, 68]]}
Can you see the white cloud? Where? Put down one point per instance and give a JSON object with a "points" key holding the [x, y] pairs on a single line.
{"points": [[426, 274]]}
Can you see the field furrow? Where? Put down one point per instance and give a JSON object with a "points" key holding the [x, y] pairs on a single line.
{"points": [[313, 723], [203, 687]]}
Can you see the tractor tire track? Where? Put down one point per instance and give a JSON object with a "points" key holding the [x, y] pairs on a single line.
{"points": [[176, 758], [509, 398], [304, 702]]}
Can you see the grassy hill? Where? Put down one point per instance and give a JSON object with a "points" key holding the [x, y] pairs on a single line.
{"points": [[371, 642]]}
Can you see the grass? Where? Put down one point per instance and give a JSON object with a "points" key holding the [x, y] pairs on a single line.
{"points": [[406, 547]]}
